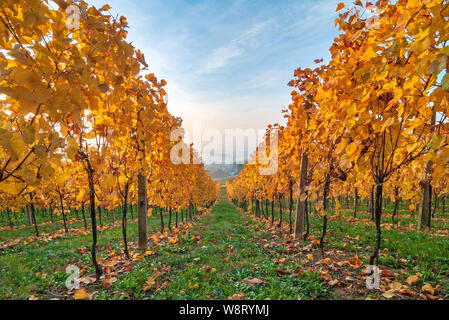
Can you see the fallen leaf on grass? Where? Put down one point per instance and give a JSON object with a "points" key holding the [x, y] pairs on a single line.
{"points": [[325, 260], [237, 296], [428, 296], [163, 286], [334, 282], [282, 271], [87, 280], [108, 282], [349, 278], [427, 287], [395, 285], [325, 276], [110, 264], [253, 281], [386, 273], [412, 280], [388, 294], [356, 262], [406, 292], [81, 294], [149, 284]]}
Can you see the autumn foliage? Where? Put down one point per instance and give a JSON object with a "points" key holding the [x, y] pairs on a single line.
{"points": [[81, 117], [372, 122]]}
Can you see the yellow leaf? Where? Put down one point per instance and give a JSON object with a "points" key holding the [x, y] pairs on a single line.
{"points": [[149, 284], [427, 287], [369, 53], [412, 280], [351, 110], [443, 154], [351, 148], [109, 181], [81, 294], [29, 135], [72, 148], [14, 144], [436, 141], [81, 195]]}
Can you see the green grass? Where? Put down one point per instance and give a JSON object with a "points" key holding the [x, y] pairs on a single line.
{"points": [[233, 246], [20, 263], [22, 229], [405, 250], [224, 228]]}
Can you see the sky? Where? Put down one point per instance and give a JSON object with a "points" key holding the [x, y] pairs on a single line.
{"points": [[228, 62]]}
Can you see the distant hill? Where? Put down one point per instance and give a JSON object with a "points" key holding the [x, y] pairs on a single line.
{"points": [[220, 171]]}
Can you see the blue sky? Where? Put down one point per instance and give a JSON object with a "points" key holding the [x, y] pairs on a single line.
{"points": [[227, 63]]}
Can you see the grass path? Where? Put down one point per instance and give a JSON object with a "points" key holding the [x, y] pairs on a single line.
{"points": [[213, 260]]}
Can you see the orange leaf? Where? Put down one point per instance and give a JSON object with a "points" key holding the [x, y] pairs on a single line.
{"points": [[141, 58], [325, 276], [412, 280], [427, 287], [406, 292], [149, 284], [81, 294]]}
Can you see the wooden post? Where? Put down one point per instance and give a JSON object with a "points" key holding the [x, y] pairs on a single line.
{"points": [[143, 212], [426, 197], [301, 202]]}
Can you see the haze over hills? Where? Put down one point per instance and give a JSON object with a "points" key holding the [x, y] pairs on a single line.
{"points": [[220, 171]]}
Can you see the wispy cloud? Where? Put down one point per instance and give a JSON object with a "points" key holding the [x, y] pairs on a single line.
{"points": [[255, 30], [221, 56]]}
